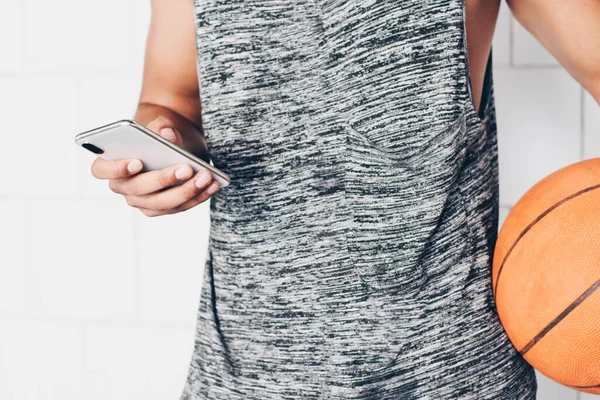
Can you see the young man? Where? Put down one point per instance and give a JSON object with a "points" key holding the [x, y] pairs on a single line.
{"points": [[350, 256]]}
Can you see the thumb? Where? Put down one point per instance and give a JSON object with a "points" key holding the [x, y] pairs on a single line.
{"points": [[171, 135], [165, 128]]}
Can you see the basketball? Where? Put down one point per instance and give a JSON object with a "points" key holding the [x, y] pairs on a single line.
{"points": [[546, 276]]}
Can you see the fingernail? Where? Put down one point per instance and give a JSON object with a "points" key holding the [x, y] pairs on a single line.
{"points": [[213, 188], [203, 179], [134, 166], [183, 172], [168, 134]]}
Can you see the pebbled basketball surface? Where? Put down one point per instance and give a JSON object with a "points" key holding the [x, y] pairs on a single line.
{"points": [[546, 276]]}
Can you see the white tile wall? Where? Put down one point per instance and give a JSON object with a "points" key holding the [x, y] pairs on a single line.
{"points": [[172, 264], [40, 360], [40, 123], [104, 99], [98, 301], [539, 114], [549, 390], [588, 396], [127, 362], [11, 35], [141, 23], [504, 210], [82, 259], [76, 35], [14, 274]]}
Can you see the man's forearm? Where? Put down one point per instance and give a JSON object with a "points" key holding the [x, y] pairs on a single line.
{"points": [[191, 132], [570, 30]]}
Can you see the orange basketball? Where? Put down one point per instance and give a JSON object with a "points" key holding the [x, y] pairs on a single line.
{"points": [[546, 276]]}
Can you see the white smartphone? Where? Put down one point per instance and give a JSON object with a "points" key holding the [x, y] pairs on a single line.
{"points": [[128, 139]]}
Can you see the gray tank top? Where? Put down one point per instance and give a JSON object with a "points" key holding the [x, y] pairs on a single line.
{"points": [[350, 257]]}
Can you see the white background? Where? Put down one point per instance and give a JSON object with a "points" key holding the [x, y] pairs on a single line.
{"points": [[98, 301]]}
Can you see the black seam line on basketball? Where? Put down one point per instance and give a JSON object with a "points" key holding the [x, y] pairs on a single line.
{"points": [[585, 387], [560, 317], [531, 225]]}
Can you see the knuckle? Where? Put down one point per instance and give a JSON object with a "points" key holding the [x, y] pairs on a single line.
{"points": [[202, 198], [180, 208], [191, 191], [158, 206], [162, 207], [130, 201], [169, 211], [135, 190], [113, 185], [197, 200], [165, 179], [155, 213], [191, 203]]}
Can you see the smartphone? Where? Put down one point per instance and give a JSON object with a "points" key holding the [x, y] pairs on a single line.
{"points": [[128, 139]]}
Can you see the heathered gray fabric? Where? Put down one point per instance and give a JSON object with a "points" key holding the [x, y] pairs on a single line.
{"points": [[350, 257]]}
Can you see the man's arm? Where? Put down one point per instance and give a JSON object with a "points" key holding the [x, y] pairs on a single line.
{"points": [[169, 105], [170, 82], [570, 30]]}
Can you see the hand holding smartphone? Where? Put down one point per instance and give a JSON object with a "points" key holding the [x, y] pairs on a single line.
{"points": [[161, 184]]}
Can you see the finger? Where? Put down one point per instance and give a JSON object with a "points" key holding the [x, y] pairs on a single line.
{"points": [[115, 169], [152, 181], [201, 198], [151, 213], [166, 128], [169, 134], [172, 197], [159, 122]]}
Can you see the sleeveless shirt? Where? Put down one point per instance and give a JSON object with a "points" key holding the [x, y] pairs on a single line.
{"points": [[350, 257]]}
